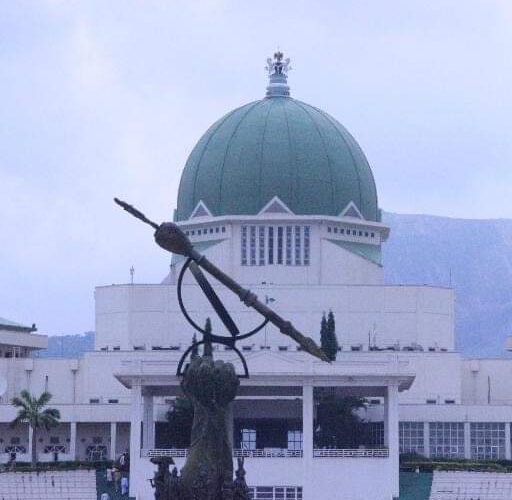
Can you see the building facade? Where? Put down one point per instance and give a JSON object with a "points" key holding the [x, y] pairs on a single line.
{"points": [[279, 195]]}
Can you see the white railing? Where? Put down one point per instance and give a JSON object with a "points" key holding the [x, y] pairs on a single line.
{"points": [[348, 453], [268, 453], [264, 453], [277, 453], [165, 452]]}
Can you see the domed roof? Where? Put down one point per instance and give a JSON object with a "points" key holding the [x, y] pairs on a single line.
{"points": [[277, 146]]}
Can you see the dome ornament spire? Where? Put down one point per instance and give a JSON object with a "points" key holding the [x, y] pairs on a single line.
{"points": [[278, 75]]}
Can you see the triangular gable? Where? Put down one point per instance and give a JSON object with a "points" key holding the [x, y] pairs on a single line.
{"points": [[275, 206], [351, 210], [201, 210]]}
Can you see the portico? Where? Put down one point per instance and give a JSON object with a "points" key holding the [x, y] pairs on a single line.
{"points": [[286, 382]]}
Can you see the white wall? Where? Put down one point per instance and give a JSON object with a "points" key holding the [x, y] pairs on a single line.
{"points": [[486, 381], [131, 315]]}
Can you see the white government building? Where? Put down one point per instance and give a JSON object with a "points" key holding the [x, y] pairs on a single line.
{"points": [[279, 195]]}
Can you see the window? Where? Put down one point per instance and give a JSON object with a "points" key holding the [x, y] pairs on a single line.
{"points": [[354, 232], [372, 235], [297, 245], [270, 245], [355, 348], [487, 440], [139, 348], [288, 245], [252, 245], [54, 440], [411, 437], [375, 434], [329, 229], [335, 230], [248, 439], [447, 439], [275, 493], [279, 245], [211, 230], [198, 232], [283, 347], [259, 245], [261, 242], [216, 229], [246, 348], [116, 348], [342, 231], [431, 401], [295, 440], [113, 401], [94, 401], [244, 245], [360, 233], [192, 233], [306, 245], [223, 229], [366, 234], [449, 401]]}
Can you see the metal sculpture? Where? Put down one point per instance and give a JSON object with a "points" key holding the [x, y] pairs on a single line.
{"points": [[211, 385]]}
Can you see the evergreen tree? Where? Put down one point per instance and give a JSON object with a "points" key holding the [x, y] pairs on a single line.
{"points": [[323, 333], [330, 346], [180, 417], [195, 349], [337, 422]]}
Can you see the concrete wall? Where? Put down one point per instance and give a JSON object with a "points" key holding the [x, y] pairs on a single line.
{"points": [[148, 315]]}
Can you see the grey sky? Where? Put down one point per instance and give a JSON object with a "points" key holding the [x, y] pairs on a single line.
{"points": [[107, 98]]}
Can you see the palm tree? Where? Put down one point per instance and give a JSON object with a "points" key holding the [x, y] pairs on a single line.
{"points": [[31, 410]]}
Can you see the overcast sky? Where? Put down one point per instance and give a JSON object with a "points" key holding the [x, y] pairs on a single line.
{"points": [[103, 99]]}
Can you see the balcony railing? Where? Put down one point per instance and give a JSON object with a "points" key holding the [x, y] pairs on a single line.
{"points": [[348, 453], [278, 453], [264, 453]]}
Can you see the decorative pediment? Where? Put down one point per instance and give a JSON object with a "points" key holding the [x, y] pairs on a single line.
{"points": [[275, 206], [351, 210], [201, 210]]}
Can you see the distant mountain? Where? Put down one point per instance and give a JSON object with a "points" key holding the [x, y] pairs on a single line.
{"points": [[474, 255], [67, 346]]}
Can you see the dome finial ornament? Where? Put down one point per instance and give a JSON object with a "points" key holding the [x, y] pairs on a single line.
{"points": [[278, 75]]}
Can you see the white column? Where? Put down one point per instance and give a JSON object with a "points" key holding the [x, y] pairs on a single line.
{"points": [[72, 440], [30, 441], [467, 440], [307, 441], [113, 440], [507, 441], [148, 424], [135, 423], [426, 439], [391, 430]]}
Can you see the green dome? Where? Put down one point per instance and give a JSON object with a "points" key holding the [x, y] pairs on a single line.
{"points": [[277, 146]]}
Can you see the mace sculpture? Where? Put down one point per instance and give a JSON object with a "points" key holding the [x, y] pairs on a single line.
{"points": [[210, 384]]}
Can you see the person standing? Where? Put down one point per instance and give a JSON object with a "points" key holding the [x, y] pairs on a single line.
{"points": [[124, 485]]}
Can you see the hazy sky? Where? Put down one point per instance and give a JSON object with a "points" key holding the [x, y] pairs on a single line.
{"points": [[108, 98]]}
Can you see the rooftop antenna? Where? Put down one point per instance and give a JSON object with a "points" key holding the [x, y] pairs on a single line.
{"points": [[132, 272]]}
